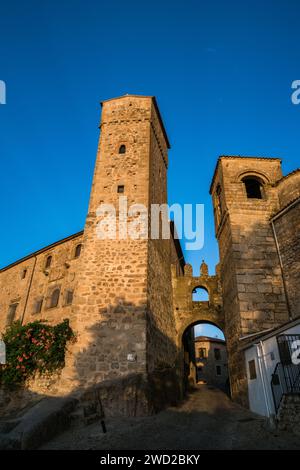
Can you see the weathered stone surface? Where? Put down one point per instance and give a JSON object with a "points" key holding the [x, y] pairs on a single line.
{"points": [[289, 414], [253, 284]]}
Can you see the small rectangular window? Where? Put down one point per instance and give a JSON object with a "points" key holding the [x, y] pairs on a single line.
{"points": [[121, 189], [24, 273], [69, 297], [38, 306], [11, 313], [252, 369], [217, 353], [218, 370], [202, 353]]}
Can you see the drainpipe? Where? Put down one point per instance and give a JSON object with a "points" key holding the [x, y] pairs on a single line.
{"points": [[28, 290], [262, 370]]}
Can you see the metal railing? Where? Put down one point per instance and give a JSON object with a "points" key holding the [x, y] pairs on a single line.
{"points": [[286, 376], [285, 381]]}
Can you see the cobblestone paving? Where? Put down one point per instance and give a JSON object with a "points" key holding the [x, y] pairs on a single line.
{"points": [[207, 419]]}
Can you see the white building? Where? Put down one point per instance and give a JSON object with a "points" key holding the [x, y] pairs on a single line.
{"points": [[273, 366]]}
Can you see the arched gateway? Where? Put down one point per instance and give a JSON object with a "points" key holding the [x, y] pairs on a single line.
{"points": [[188, 312]]}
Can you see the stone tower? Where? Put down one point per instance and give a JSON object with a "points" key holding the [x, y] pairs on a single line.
{"points": [[123, 304], [244, 198]]}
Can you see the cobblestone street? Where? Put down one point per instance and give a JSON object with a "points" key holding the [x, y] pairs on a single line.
{"points": [[206, 420]]}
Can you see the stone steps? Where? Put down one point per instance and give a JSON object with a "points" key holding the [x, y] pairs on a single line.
{"points": [[39, 424]]}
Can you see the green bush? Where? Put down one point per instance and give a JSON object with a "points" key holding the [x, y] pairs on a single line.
{"points": [[34, 348]]}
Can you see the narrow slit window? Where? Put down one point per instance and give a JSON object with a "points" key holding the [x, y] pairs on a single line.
{"points": [[219, 201], [122, 149], [48, 262], [24, 273], [78, 251]]}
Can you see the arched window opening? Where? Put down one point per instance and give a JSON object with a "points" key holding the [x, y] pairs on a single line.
{"points": [[200, 294], [48, 262], [253, 188], [122, 149], [54, 298], [78, 251]]}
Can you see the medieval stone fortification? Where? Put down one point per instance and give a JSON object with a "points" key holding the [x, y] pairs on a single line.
{"points": [[130, 301]]}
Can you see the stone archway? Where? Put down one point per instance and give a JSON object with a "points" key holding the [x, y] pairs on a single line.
{"points": [[188, 365], [188, 312]]}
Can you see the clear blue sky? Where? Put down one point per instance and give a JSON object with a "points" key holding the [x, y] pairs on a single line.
{"points": [[221, 71], [205, 329]]}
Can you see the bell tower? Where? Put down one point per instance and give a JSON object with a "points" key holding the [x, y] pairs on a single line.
{"points": [[244, 199]]}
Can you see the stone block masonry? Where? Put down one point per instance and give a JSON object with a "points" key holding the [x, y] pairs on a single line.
{"points": [[123, 316]]}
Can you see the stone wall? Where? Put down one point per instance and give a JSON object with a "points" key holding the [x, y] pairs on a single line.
{"points": [[39, 283], [252, 283], [287, 228], [188, 313], [289, 414], [161, 333], [123, 315]]}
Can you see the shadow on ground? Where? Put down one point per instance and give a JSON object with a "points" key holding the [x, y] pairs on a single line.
{"points": [[207, 419]]}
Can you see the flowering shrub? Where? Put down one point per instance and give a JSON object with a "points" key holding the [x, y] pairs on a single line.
{"points": [[33, 348]]}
